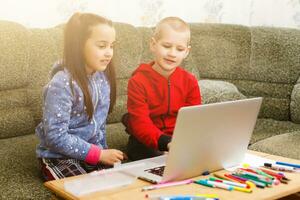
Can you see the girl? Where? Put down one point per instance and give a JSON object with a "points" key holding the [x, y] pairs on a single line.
{"points": [[77, 100]]}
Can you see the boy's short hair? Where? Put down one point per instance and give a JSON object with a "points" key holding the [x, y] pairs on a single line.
{"points": [[175, 23]]}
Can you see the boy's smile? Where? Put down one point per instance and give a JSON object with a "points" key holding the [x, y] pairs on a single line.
{"points": [[169, 50]]}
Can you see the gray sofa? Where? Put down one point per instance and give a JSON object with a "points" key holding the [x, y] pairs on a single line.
{"points": [[231, 62]]}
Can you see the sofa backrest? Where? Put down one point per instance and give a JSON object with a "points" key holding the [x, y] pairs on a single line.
{"points": [[259, 61], [16, 117], [276, 62]]}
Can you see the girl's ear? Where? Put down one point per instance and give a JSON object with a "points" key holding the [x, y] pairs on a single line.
{"points": [[152, 43]]}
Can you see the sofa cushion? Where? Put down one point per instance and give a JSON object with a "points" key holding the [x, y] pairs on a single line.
{"points": [[265, 128], [128, 48], [295, 103], [14, 55], [15, 122], [286, 145], [119, 109], [116, 136], [213, 91], [19, 172], [276, 102], [20, 176]]}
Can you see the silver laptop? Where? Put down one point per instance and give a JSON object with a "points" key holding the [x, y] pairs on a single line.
{"points": [[206, 138]]}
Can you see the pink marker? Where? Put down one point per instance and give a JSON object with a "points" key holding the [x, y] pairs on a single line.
{"points": [[163, 185]]}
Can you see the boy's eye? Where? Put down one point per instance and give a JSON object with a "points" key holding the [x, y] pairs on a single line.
{"points": [[180, 49], [166, 46]]}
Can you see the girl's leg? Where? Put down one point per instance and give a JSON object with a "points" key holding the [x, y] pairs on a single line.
{"points": [[57, 168], [89, 168]]}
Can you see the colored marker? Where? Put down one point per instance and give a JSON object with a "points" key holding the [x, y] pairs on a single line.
{"points": [[163, 185], [249, 177], [279, 167], [288, 164], [223, 177], [242, 189], [254, 175], [276, 175], [237, 178], [257, 171], [250, 185], [220, 185], [215, 196], [204, 183], [228, 182], [179, 197]]}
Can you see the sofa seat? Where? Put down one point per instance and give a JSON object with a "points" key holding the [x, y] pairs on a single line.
{"points": [[266, 128], [286, 145], [20, 175]]}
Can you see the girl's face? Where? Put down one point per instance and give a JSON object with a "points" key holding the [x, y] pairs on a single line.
{"points": [[98, 49]]}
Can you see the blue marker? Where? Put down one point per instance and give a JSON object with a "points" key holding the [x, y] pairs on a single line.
{"points": [[288, 164]]}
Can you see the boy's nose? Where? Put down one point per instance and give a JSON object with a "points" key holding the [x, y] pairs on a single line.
{"points": [[172, 52]]}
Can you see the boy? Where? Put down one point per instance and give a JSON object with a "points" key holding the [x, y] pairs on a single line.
{"points": [[156, 91]]}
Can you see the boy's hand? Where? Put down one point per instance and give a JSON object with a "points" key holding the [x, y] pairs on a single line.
{"points": [[111, 156], [169, 146]]}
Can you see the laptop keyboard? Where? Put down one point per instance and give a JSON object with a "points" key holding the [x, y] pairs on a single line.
{"points": [[157, 170]]}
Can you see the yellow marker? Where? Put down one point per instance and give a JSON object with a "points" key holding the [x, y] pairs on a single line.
{"points": [[208, 195], [250, 184], [245, 165], [242, 189]]}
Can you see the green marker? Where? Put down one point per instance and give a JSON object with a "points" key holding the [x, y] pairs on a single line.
{"points": [[204, 182]]}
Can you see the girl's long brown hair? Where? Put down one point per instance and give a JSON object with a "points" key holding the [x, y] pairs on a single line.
{"points": [[77, 31]]}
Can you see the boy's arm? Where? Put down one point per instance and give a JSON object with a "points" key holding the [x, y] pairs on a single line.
{"points": [[194, 96], [140, 123]]}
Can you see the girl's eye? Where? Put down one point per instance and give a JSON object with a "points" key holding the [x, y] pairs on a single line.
{"points": [[167, 46], [101, 46], [180, 49]]}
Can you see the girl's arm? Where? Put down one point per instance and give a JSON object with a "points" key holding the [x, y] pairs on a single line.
{"points": [[58, 102]]}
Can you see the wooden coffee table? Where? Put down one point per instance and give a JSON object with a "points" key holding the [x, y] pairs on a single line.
{"points": [[133, 191]]}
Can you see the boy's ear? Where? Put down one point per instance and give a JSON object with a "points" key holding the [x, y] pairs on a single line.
{"points": [[152, 43], [187, 51]]}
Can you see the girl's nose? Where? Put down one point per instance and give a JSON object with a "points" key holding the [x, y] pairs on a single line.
{"points": [[109, 52]]}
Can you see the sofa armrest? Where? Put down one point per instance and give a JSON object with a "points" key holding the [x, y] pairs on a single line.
{"points": [[213, 91], [295, 103]]}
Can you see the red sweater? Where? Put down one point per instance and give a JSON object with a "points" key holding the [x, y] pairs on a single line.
{"points": [[153, 103]]}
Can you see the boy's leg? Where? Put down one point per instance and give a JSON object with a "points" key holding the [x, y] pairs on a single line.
{"points": [[57, 168], [137, 150]]}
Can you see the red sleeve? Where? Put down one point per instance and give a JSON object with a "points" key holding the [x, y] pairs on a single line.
{"points": [[194, 96], [140, 123], [93, 155]]}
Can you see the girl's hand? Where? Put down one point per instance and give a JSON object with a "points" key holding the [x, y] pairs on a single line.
{"points": [[111, 156]]}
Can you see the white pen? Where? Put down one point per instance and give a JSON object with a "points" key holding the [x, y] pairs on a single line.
{"points": [[279, 167]]}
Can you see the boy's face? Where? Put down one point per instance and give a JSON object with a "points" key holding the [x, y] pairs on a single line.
{"points": [[169, 49]]}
